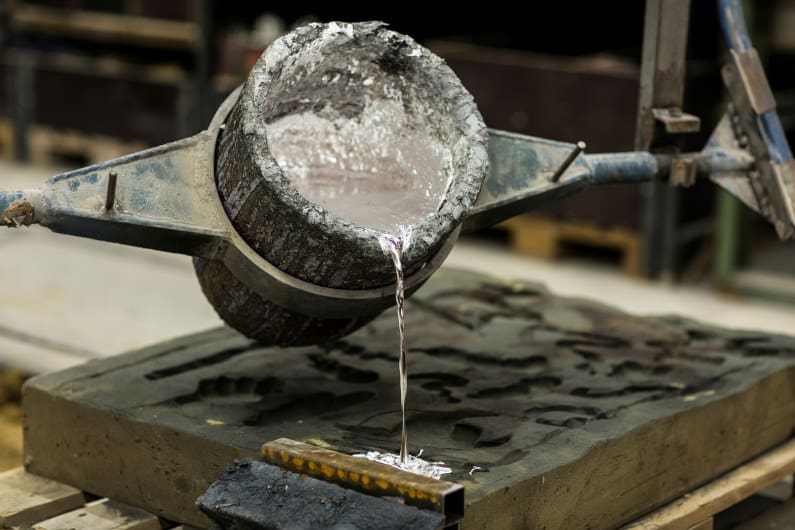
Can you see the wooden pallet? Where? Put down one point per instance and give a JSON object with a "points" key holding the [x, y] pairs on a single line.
{"points": [[37, 503], [697, 509], [6, 140], [10, 419], [549, 239], [104, 26], [49, 146]]}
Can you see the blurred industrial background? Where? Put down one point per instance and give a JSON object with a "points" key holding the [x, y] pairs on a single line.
{"points": [[86, 80]]}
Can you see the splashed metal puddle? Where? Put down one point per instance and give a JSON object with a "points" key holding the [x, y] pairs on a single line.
{"points": [[414, 464]]}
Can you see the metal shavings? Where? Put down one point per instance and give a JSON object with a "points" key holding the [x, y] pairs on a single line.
{"points": [[335, 28], [414, 464]]}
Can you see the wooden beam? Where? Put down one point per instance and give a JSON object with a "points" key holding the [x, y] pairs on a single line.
{"points": [[106, 27], [26, 498], [103, 514]]}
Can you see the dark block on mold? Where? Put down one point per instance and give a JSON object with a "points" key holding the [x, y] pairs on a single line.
{"points": [[253, 495], [577, 414]]}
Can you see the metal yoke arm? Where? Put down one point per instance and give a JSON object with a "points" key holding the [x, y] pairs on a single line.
{"points": [[162, 198], [523, 170]]}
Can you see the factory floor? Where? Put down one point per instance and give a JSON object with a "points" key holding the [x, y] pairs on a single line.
{"points": [[608, 284]]}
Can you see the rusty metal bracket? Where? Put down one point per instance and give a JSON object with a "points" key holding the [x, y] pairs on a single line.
{"points": [[18, 213], [683, 172], [367, 476], [677, 122]]}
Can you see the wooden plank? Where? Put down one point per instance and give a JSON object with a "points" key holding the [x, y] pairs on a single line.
{"points": [[706, 524], [26, 498], [782, 517], [103, 514], [106, 67], [10, 436], [720, 494], [106, 27], [534, 238]]}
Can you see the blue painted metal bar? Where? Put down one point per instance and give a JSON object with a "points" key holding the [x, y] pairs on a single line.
{"points": [[640, 166], [775, 138], [735, 32], [732, 21], [637, 166]]}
